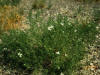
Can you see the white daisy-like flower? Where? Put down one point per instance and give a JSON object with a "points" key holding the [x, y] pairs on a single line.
{"points": [[58, 67], [69, 23], [75, 30], [97, 36], [97, 27], [4, 48], [20, 54], [61, 73], [66, 55], [91, 64], [50, 28], [58, 52], [62, 24]]}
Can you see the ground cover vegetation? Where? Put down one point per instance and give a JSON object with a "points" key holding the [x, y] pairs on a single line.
{"points": [[53, 46]]}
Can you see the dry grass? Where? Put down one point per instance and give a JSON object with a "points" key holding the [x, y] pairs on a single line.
{"points": [[10, 18]]}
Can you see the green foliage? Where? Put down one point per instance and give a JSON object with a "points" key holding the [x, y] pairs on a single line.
{"points": [[7, 2], [56, 46], [87, 1], [97, 14], [37, 4]]}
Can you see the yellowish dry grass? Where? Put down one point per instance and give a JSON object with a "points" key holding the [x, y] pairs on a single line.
{"points": [[10, 18]]}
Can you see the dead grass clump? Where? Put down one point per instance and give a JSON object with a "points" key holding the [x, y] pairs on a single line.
{"points": [[10, 18]]}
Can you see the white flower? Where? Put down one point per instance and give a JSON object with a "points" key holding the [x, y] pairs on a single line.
{"points": [[97, 36], [69, 23], [50, 28], [58, 52], [91, 64], [61, 73], [62, 24], [4, 48], [97, 27], [58, 67], [66, 55], [20, 54], [75, 30]]}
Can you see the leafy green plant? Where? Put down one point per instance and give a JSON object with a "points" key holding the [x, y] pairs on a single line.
{"points": [[37, 4], [97, 14], [64, 38], [55, 47], [7, 2]]}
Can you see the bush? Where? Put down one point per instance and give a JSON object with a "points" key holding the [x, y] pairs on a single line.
{"points": [[57, 49], [9, 2], [38, 4]]}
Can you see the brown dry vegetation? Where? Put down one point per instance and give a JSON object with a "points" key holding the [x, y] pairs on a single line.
{"points": [[10, 18]]}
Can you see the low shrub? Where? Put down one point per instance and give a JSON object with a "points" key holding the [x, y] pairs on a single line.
{"points": [[39, 4], [56, 46], [9, 2]]}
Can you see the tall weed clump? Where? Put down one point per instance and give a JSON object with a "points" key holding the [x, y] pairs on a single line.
{"points": [[53, 48]]}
